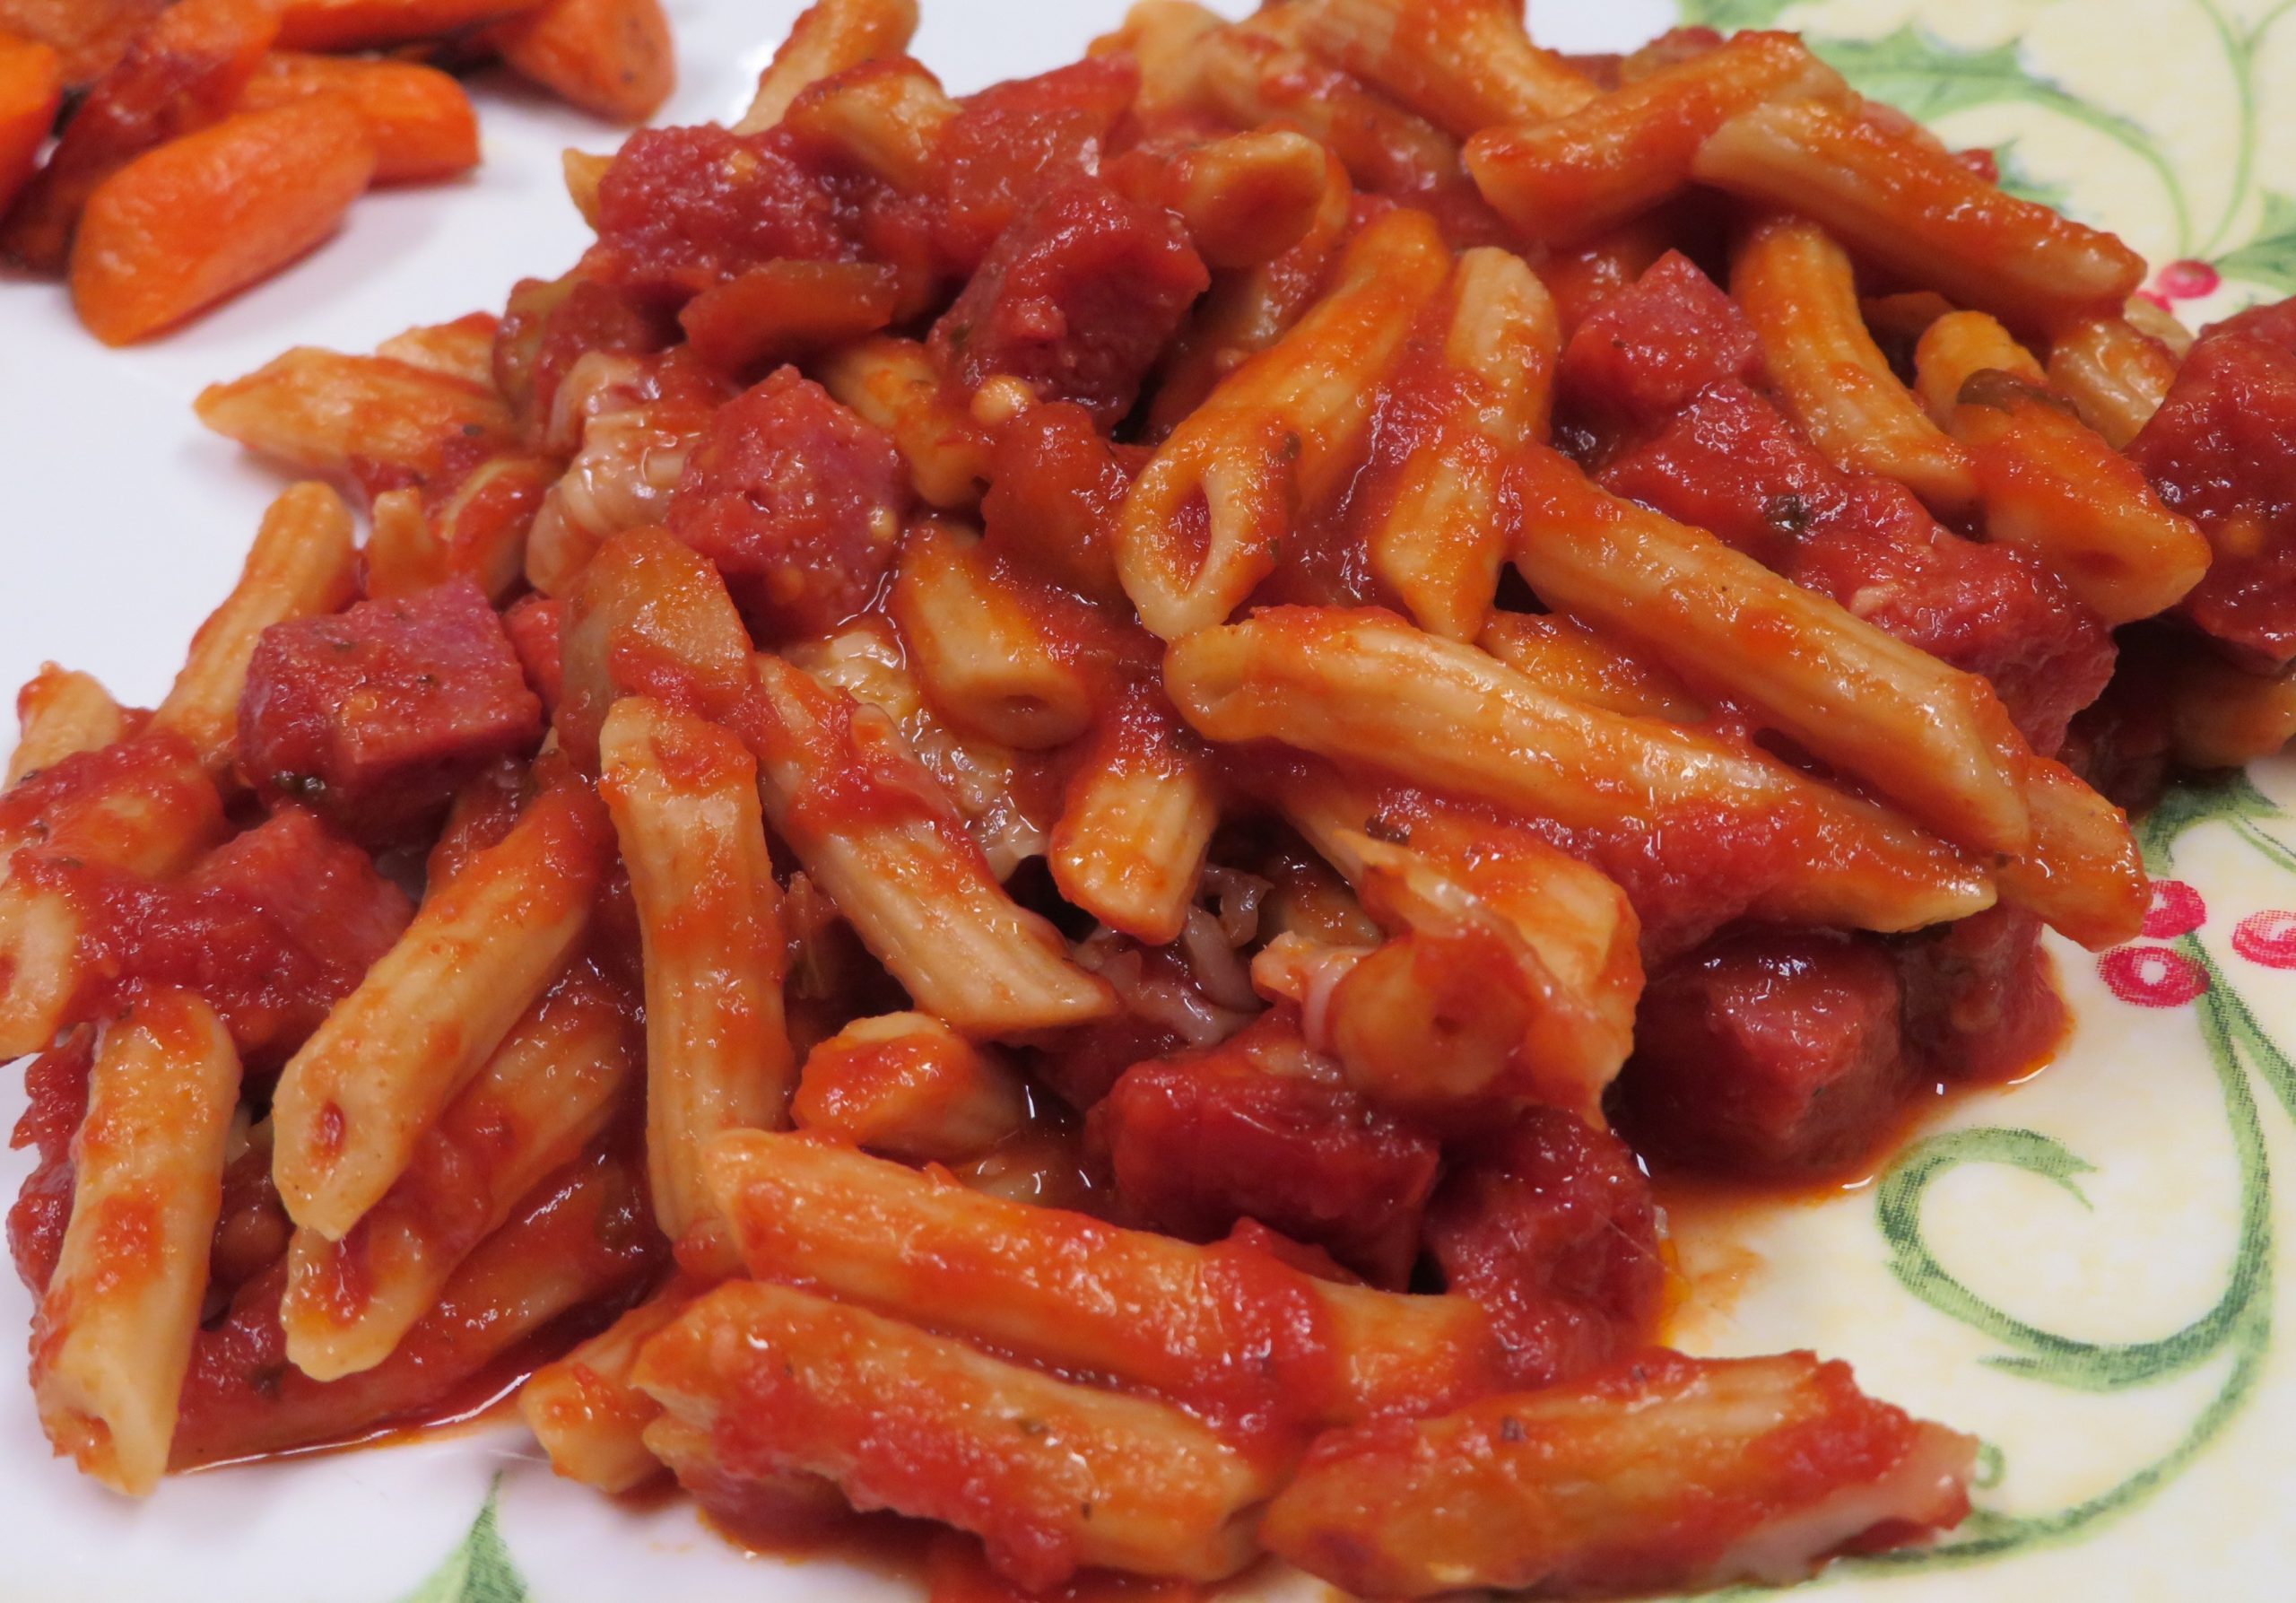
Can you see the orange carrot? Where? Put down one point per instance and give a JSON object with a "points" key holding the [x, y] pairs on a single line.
{"points": [[181, 73], [420, 119], [376, 24], [203, 216], [31, 87], [89, 35], [610, 58]]}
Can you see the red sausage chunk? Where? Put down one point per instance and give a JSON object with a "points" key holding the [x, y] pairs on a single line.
{"points": [[373, 716], [2221, 451], [1551, 1227], [798, 501], [1767, 1053], [1258, 1128], [1078, 297]]}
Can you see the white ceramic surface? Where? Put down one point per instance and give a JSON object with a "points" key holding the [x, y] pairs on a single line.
{"points": [[2117, 1217]]}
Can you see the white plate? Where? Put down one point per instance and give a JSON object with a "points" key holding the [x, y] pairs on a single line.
{"points": [[2146, 1472]]}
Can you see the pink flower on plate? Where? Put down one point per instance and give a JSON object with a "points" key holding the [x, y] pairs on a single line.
{"points": [[2187, 280], [2152, 976], [2176, 910], [2267, 938]]}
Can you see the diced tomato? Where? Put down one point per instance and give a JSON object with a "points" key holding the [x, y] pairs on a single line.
{"points": [[1013, 142], [1259, 1128], [1641, 355], [798, 501], [2221, 451], [1767, 1052], [373, 716], [323, 892], [681, 209], [1054, 488], [1078, 298], [55, 1099], [273, 928], [1550, 1225]]}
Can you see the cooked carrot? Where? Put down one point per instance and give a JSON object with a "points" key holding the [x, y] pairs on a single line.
{"points": [[420, 119], [378, 24], [203, 216], [181, 73], [610, 58], [31, 87], [87, 35]]}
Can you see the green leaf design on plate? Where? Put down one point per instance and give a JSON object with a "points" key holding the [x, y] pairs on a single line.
{"points": [[1927, 78], [1727, 14], [2268, 260], [479, 1570], [2022, 182]]}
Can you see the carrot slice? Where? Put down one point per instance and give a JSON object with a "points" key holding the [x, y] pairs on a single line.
{"points": [[376, 24], [87, 35], [611, 57], [203, 216], [422, 122], [182, 73], [31, 87]]}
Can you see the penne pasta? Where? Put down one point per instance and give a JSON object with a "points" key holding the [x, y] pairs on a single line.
{"points": [[1246, 199], [991, 663], [113, 1336], [1363, 686], [2055, 490], [145, 805], [548, 1089], [1201, 525], [1757, 1468], [1056, 1475], [60, 713], [583, 1408], [1463, 65], [1256, 71], [1164, 37], [895, 385], [829, 37], [1438, 541], [1571, 659], [1956, 348], [301, 565], [683, 794], [321, 412], [912, 883], [579, 1239], [1071, 1292], [1244, 313], [1800, 293], [1564, 177], [2116, 373], [885, 116], [353, 1104], [1136, 821], [1905, 204], [907, 1086], [1522, 959], [651, 616], [995, 789], [1931, 739]]}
